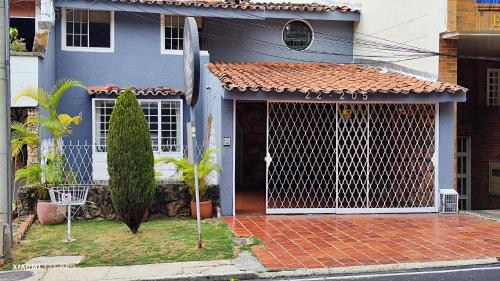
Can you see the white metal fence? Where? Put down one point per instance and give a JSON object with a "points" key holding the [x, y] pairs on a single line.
{"points": [[327, 157], [78, 160]]}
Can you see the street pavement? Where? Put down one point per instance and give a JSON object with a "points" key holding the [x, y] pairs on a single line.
{"points": [[483, 273], [15, 275]]}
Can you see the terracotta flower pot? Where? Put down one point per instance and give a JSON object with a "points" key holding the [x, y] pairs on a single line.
{"points": [[50, 214], [205, 209]]}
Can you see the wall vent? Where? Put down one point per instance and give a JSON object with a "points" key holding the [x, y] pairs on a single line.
{"points": [[449, 201]]}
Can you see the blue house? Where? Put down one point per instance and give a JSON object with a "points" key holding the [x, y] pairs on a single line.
{"points": [[300, 127]]}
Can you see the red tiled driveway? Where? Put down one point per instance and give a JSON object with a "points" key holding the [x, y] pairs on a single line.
{"points": [[291, 242]]}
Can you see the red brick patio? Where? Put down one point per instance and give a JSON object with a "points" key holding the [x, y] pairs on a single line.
{"points": [[291, 242]]}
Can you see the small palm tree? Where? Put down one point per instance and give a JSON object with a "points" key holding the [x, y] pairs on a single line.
{"points": [[22, 135], [185, 170], [58, 125]]}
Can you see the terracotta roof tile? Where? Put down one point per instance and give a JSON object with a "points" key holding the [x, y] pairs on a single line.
{"points": [[322, 78], [247, 5], [111, 89]]}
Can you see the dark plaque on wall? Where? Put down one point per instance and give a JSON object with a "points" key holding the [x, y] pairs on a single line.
{"points": [[191, 49]]}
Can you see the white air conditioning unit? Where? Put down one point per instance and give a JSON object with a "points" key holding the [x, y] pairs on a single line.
{"points": [[449, 201]]}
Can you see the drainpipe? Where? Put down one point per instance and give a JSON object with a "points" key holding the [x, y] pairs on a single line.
{"points": [[5, 154]]}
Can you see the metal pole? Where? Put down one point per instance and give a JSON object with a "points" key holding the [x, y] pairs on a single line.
{"points": [[5, 155], [69, 223], [195, 163]]}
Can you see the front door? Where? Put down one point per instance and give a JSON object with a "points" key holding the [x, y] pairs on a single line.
{"points": [[350, 158]]}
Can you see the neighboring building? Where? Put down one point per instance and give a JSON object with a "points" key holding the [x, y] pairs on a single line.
{"points": [[32, 19], [301, 128], [474, 31], [411, 23]]}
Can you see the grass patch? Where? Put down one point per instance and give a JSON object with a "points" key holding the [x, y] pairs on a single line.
{"points": [[111, 242]]}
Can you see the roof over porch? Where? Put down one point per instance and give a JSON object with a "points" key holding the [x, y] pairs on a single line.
{"points": [[325, 81]]}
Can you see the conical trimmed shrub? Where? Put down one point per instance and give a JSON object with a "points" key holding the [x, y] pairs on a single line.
{"points": [[130, 161]]}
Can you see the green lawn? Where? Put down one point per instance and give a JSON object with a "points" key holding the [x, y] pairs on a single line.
{"points": [[111, 242]]}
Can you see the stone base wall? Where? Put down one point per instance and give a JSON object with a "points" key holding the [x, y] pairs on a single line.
{"points": [[172, 200], [33, 151]]}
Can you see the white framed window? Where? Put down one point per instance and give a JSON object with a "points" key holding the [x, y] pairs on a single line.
{"points": [[493, 87], [87, 30], [172, 34], [164, 118]]}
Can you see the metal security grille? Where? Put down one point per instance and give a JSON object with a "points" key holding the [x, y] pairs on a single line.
{"points": [[327, 158]]}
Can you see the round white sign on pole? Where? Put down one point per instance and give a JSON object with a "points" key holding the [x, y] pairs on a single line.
{"points": [[191, 50]]}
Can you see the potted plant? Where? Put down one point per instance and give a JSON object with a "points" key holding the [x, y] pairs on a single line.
{"points": [[39, 178], [36, 177], [185, 170]]}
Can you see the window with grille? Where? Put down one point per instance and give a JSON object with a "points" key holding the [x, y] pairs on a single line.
{"points": [[173, 34], [103, 109], [164, 118], [297, 35], [463, 172], [493, 85], [87, 30]]}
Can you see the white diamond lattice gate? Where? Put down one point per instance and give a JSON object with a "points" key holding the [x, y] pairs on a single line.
{"points": [[351, 158]]}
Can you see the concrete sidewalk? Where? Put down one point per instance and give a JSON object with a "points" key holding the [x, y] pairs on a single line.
{"points": [[245, 266]]}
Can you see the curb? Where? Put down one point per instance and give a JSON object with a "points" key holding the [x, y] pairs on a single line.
{"points": [[219, 277], [377, 268], [480, 216], [23, 229]]}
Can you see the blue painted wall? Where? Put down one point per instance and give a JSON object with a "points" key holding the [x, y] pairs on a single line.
{"points": [[47, 71], [137, 60], [447, 125], [262, 40]]}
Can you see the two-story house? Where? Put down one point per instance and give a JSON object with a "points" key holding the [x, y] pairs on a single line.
{"points": [[301, 127]]}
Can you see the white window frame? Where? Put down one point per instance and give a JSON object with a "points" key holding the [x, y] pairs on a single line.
{"points": [[159, 101], [110, 49], [99, 159], [490, 70], [164, 51]]}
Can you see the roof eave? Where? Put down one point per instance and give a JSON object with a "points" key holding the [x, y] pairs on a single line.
{"points": [[258, 94], [138, 7]]}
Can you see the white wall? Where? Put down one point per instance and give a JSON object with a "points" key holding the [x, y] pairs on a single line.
{"points": [[24, 74], [414, 22]]}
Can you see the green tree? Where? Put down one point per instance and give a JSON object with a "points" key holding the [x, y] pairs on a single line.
{"points": [[130, 161], [22, 135], [58, 125], [16, 44]]}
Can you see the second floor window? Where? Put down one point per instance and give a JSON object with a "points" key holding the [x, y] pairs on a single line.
{"points": [[87, 30], [493, 87], [173, 34]]}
